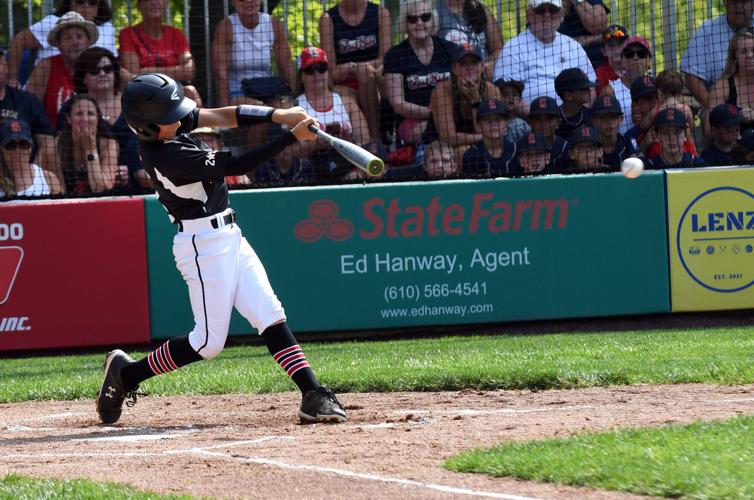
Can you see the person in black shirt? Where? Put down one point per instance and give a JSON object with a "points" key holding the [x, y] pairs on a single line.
{"points": [[607, 117], [575, 89], [219, 266], [725, 128], [494, 155]]}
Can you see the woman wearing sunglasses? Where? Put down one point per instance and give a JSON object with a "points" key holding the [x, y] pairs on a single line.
{"points": [[414, 67], [98, 75], [86, 149], [18, 176], [35, 37], [470, 21]]}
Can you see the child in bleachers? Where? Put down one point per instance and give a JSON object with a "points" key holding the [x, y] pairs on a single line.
{"points": [[494, 155], [511, 92], [440, 161], [544, 117], [607, 117], [575, 89], [670, 128], [609, 71], [725, 129], [585, 150], [533, 154]]}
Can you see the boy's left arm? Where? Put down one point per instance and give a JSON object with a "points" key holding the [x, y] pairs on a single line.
{"points": [[235, 116]]}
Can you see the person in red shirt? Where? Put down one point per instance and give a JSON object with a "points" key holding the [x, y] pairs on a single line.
{"points": [[153, 47], [52, 79], [609, 71]]}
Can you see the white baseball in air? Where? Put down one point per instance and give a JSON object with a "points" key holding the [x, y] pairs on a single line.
{"points": [[632, 167]]}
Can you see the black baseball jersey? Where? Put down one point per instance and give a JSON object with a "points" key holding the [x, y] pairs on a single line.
{"points": [[188, 175]]}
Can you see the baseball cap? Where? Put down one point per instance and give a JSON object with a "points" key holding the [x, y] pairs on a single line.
{"points": [[312, 55], [642, 86], [614, 33], [572, 79], [670, 117], [537, 3], [585, 134], [491, 107], [725, 115], [533, 141], [636, 39], [516, 84], [544, 105], [15, 130], [464, 50], [747, 139], [606, 105]]}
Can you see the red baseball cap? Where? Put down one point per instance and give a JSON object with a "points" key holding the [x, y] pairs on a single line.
{"points": [[638, 40], [312, 55]]}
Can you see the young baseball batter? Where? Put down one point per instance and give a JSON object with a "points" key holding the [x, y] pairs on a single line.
{"points": [[218, 264]]}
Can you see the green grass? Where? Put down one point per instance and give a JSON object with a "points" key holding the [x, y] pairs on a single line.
{"points": [[15, 487], [568, 360], [702, 460]]}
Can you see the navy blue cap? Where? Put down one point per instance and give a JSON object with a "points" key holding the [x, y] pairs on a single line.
{"points": [[572, 79], [670, 117], [606, 105], [544, 105], [516, 84], [644, 85], [747, 139], [489, 107], [15, 130], [533, 141], [725, 115], [464, 50], [585, 134]]}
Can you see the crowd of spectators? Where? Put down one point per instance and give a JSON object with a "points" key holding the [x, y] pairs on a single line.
{"points": [[451, 98]]}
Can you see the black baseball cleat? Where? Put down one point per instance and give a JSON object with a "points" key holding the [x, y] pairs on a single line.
{"points": [[113, 392], [321, 405]]}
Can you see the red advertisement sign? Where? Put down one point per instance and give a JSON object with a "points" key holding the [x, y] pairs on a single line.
{"points": [[73, 274]]}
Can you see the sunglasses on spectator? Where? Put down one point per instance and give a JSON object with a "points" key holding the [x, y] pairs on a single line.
{"points": [[92, 3], [104, 69], [318, 68], [641, 53], [547, 8], [412, 19], [12, 146]]}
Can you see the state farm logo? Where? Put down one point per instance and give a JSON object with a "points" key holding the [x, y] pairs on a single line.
{"points": [[10, 263], [323, 221]]}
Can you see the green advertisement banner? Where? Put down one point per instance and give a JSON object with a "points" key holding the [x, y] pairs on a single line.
{"points": [[440, 253]]}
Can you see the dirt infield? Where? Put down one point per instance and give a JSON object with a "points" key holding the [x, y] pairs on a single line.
{"points": [[242, 446]]}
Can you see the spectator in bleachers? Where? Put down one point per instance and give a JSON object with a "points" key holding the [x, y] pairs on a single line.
{"points": [[98, 74], [743, 152], [18, 104], [245, 45], [415, 66], [736, 86], [52, 79], [670, 128], [539, 54], [88, 153], [644, 101], [612, 65], [153, 47], [355, 34], [440, 161], [607, 116], [511, 93], [670, 93], [470, 21], [585, 151], [704, 60], [338, 114], [453, 101], [544, 118], [494, 155], [533, 154], [636, 53], [725, 125], [584, 21], [35, 36], [575, 90], [19, 176]]}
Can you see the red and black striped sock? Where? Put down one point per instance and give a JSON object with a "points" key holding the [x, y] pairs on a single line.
{"points": [[170, 356], [285, 350]]}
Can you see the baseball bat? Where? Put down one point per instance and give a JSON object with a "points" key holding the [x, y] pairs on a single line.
{"points": [[358, 156]]}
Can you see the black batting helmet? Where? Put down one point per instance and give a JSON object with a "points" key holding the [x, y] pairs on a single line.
{"points": [[153, 99]]}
